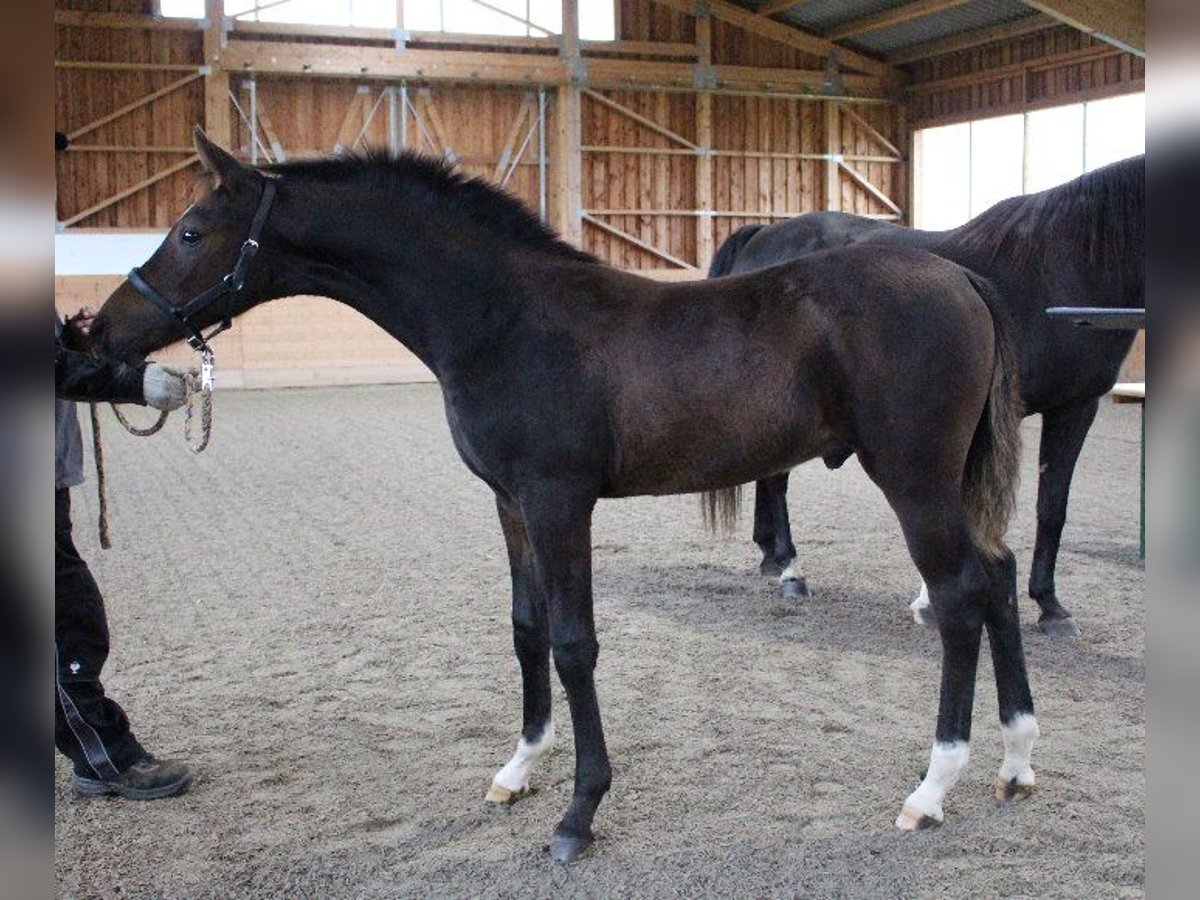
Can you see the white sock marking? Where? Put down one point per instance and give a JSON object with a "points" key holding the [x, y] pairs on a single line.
{"points": [[1019, 736], [515, 774], [920, 603], [946, 763], [789, 574]]}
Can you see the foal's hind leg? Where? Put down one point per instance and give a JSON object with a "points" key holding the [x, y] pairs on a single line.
{"points": [[531, 639], [941, 546], [773, 534], [1018, 726]]}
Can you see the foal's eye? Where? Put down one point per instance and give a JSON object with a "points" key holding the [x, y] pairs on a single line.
{"points": [[190, 237]]}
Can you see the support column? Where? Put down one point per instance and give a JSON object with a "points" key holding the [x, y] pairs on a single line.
{"points": [[567, 168], [217, 120], [833, 151], [705, 232]]}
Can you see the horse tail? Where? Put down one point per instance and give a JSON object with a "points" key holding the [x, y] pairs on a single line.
{"points": [[720, 508], [722, 263], [989, 487]]}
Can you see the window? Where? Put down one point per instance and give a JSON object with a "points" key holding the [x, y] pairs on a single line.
{"points": [[961, 170], [1055, 146], [505, 17]]}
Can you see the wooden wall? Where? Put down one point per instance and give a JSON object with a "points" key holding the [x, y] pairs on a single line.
{"points": [[1048, 68], [98, 72], [666, 172], [665, 176]]}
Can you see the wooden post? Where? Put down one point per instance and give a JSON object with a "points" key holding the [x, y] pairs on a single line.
{"points": [[903, 188], [705, 236], [217, 120], [567, 166], [833, 150]]}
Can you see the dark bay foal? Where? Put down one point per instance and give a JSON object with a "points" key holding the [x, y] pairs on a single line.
{"points": [[566, 381]]}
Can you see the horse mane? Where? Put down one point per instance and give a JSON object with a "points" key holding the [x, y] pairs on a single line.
{"points": [[434, 184], [1101, 214]]}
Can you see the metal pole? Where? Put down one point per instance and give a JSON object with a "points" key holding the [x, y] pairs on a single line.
{"points": [[393, 122], [253, 122], [404, 115], [542, 152]]}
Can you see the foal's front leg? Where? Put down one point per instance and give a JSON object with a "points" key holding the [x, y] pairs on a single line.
{"points": [[531, 639], [559, 528]]}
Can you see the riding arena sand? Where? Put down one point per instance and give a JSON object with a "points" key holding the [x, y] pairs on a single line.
{"points": [[315, 614]]}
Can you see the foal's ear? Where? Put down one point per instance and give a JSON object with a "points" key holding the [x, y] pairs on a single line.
{"points": [[225, 170]]}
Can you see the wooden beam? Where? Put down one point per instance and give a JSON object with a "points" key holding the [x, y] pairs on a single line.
{"points": [[107, 66], [136, 104], [774, 8], [1121, 23], [872, 131], [976, 37], [218, 122], [640, 119], [126, 148], [386, 63], [872, 189], [133, 189], [665, 49], [566, 173], [636, 241], [129, 21], [888, 17], [783, 34], [833, 148], [705, 235], [268, 57]]}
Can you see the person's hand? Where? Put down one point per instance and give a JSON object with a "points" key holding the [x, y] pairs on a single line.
{"points": [[165, 387], [77, 328]]}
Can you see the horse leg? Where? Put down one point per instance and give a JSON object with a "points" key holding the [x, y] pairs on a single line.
{"points": [[531, 639], [1018, 726], [1063, 432], [559, 530], [773, 534], [959, 588]]}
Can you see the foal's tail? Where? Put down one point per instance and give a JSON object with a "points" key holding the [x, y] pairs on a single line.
{"points": [[722, 263], [989, 486]]}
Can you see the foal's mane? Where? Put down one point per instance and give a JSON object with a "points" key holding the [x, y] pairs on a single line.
{"points": [[1101, 214], [436, 186]]}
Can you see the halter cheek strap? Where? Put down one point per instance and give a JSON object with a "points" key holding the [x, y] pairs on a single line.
{"points": [[230, 286]]}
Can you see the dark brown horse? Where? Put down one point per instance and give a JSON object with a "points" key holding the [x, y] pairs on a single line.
{"points": [[1079, 244], [566, 381]]}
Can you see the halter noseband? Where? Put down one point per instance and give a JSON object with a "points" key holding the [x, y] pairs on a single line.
{"points": [[231, 285]]}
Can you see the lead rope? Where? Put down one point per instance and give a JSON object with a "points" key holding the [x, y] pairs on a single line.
{"points": [[197, 386]]}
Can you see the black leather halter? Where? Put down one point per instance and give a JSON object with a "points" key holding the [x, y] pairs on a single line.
{"points": [[231, 285]]}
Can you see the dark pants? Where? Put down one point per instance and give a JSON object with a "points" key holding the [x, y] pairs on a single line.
{"points": [[89, 728]]}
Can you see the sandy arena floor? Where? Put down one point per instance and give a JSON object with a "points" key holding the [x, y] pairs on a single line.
{"points": [[315, 612]]}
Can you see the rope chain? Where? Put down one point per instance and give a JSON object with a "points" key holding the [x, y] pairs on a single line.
{"points": [[196, 386]]}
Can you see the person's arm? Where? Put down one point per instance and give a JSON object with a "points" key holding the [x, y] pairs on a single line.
{"points": [[82, 376]]}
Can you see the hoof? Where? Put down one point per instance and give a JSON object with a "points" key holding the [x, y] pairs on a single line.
{"points": [[1058, 627], [914, 820], [502, 796], [770, 568], [567, 848], [1010, 790], [793, 588]]}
